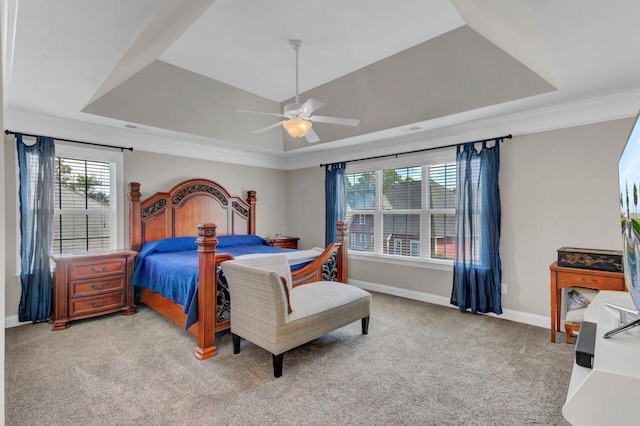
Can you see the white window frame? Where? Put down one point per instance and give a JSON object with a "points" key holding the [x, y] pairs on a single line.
{"points": [[425, 160], [115, 158]]}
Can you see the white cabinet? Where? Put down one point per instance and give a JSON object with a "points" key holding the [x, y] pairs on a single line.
{"points": [[608, 393]]}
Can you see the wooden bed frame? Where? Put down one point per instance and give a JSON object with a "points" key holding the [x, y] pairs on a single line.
{"points": [[204, 207]]}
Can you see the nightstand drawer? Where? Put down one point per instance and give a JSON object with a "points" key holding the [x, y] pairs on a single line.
{"points": [[99, 268], [591, 281], [284, 242], [92, 288], [90, 305]]}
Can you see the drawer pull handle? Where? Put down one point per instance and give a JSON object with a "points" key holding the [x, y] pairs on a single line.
{"points": [[98, 304], [103, 269], [99, 286], [592, 281]]}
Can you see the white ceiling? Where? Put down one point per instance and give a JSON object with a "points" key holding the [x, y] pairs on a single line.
{"points": [[58, 55], [246, 42]]}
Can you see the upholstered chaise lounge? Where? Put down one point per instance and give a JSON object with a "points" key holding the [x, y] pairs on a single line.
{"points": [[261, 313]]}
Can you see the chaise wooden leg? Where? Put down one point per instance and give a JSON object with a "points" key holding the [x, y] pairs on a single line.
{"points": [[277, 365], [236, 343], [365, 325]]}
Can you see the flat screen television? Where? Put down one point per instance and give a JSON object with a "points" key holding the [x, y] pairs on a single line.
{"points": [[629, 178]]}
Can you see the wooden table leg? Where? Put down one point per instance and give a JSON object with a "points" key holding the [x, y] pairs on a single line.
{"points": [[554, 306]]}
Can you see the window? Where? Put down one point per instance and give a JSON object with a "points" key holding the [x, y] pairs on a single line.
{"points": [[87, 203], [415, 248], [404, 211], [83, 218], [442, 208], [397, 246]]}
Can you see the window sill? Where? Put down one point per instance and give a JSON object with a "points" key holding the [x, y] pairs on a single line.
{"points": [[441, 265]]}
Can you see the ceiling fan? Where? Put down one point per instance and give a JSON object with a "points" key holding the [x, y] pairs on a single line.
{"points": [[298, 116]]}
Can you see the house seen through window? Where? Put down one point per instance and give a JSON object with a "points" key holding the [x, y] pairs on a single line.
{"points": [[406, 211]]}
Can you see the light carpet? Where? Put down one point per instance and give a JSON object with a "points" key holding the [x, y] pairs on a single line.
{"points": [[420, 364]]}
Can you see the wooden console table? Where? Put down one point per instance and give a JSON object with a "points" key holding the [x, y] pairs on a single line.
{"points": [[563, 277]]}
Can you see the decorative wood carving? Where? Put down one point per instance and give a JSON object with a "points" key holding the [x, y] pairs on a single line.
{"points": [[241, 210], [330, 268], [155, 207], [223, 198]]}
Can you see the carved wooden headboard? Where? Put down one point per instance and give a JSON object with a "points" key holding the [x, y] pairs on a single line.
{"points": [[178, 212]]}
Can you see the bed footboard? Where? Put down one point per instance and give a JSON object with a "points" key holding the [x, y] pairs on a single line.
{"points": [[331, 265]]}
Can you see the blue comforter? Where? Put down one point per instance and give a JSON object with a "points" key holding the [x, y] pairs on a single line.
{"points": [[170, 266]]}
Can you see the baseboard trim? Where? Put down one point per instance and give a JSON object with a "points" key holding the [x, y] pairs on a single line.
{"points": [[13, 321], [508, 314]]}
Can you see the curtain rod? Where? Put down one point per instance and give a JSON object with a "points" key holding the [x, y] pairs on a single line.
{"points": [[499, 138], [121, 148]]}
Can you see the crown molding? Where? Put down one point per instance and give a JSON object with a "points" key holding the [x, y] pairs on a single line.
{"points": [[170, 143], [579, 113], [501, 122]]}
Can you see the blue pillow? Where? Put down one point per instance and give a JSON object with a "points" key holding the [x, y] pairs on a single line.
{"points": [[168, 245], [240, 240]]}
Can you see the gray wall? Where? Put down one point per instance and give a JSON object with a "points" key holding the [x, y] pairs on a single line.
{"points": [[159, 172], [306, 206], [558, 188]]}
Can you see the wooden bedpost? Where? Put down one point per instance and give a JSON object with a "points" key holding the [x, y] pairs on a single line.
{"points": [[207, 243], [341, 236], [135, 229], [251, 199]]}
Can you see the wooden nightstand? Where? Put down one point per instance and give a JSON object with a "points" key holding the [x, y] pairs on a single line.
{"points": [[90, 284], [563, 277], [284, 242]]}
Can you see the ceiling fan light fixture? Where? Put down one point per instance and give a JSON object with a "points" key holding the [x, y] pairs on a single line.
{"points": [[297, 128]]}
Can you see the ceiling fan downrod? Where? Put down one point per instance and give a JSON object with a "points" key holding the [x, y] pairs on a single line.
{"points": [[296, 44]]}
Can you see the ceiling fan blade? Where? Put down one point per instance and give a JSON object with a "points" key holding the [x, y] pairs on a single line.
{"points": [[269, 127], [311, 136], [335, 120], [273, 114], [309, 106]]}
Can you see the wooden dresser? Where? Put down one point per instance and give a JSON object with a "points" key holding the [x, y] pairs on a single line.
{"points": [[284, 242], [91, 284], [563, 277]]}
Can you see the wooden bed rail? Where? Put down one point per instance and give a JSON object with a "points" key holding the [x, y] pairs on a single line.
{"points": [[331, 265]]}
